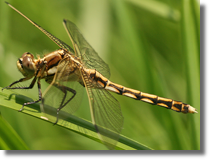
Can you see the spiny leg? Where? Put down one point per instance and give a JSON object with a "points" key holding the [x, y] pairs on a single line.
{"points": [[29, 87], [64, 89], [40, 96], [21, 80]]}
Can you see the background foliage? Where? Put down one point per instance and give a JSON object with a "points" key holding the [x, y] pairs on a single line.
{"points": [[152, 46]]}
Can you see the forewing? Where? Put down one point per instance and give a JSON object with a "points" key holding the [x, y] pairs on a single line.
{"points": [[54, 95], [53, 38], [105, 113], [86, 53]]}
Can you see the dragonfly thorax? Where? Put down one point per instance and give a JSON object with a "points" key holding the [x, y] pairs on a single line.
{"points": [[26, 65]]}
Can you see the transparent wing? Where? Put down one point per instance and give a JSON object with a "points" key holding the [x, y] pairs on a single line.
{"points": [[61, 93], [53, 38], [56, 40], [105, 111], [86, 53]]}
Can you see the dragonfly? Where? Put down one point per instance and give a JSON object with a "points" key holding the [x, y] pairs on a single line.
{"points": [[70, 71]]}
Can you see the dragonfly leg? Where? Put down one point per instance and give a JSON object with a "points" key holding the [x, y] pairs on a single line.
{"points": [[21, 80], [40, 94], [64, 89]]}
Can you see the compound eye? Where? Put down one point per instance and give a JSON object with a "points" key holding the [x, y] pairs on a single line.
{"points": [[27, 54], [26, 64]]}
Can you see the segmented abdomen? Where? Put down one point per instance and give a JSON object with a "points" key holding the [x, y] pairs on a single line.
{"points": [[138, 95]]}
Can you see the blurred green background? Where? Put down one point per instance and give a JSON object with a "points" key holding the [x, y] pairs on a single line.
{"points": [[152, 46]]}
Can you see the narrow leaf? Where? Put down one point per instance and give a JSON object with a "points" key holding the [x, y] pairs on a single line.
{"points": [[14, 101]]}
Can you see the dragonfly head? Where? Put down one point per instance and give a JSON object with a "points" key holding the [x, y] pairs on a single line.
{"points": [[26, 65]]}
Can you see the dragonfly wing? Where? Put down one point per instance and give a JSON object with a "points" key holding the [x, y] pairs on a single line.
{"points": [[105, 109], [59, 93], [57, 41], [53, 38], [105, 113], [87, 54]]}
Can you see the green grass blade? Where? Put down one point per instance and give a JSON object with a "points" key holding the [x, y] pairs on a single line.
{"points": [[9, 139], [158, 8], [191, 47], [14, 101]]}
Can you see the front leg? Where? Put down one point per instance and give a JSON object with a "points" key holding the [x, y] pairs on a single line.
{"points": [[21, 80], [40, 95]]}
